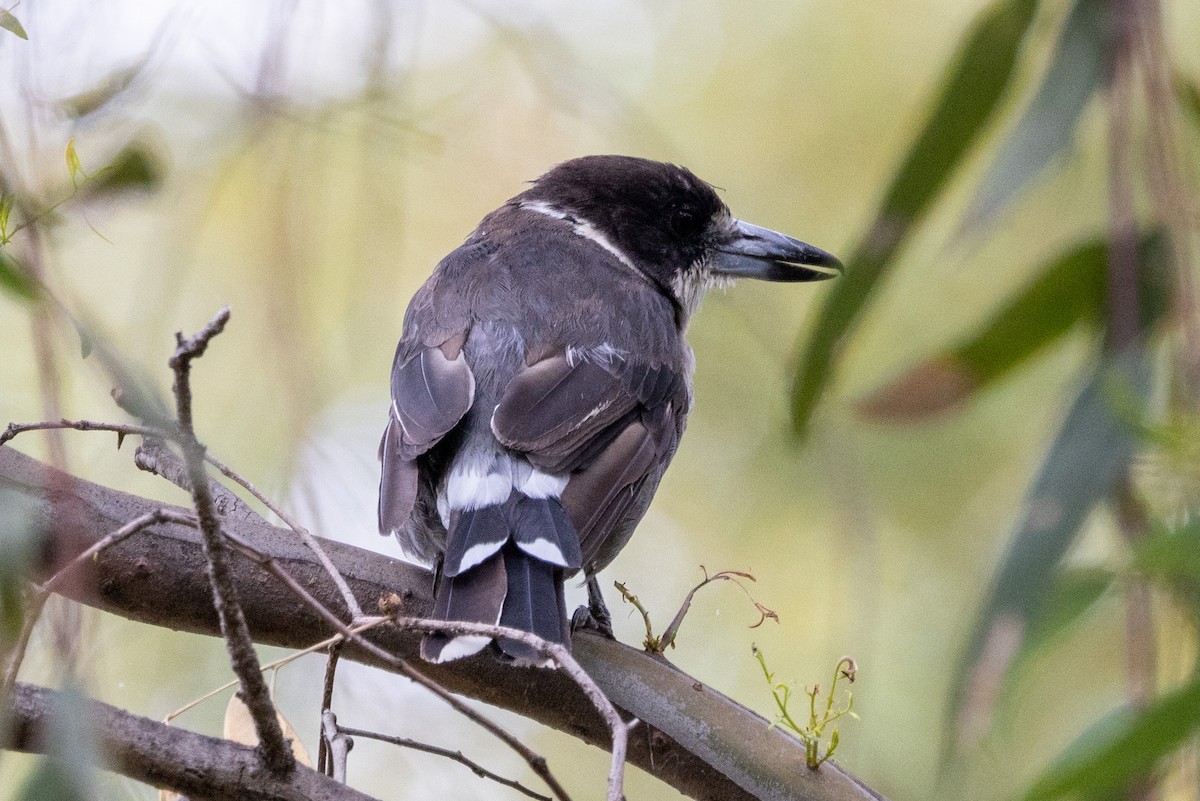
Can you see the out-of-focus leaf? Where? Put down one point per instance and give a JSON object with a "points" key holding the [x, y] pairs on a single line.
{"points": [[73, 165], [1074, 594], [86, 343], [20, 533], [1092, 449], [11, 24], [1189, 96], [133, 390], [102, 93], [136, 168], [1048, 124], [13, 279], [1070, 289], [1122, 747], [971, 91], [1173, 557]]}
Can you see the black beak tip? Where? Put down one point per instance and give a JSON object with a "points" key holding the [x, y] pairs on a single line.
{"points": [[820, 258]]}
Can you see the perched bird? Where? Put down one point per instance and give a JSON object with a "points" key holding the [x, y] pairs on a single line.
{"points": [[542, 384]]}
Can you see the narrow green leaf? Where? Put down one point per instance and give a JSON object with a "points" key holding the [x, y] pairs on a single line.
{"points": [[1092, 449], [95, 98], [1073, 594], [1189, 96], [20, 535], [11, 24], [13, 279], [6, 207], [1048, 124], [971, 92], [1122, 747], [73, 165], [1172, 557], [1069, 290]]}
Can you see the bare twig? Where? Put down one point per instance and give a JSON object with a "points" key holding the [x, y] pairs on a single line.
{"points": [[276, 753], [668, 635], [457, 756], [340, 744], [153, 457], [335, 651], [122, 430], [536, 762], [659, 644], [294, 525], [562, 658]]}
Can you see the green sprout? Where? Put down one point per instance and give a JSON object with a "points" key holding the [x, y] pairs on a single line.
{"points": [[811, 734]]}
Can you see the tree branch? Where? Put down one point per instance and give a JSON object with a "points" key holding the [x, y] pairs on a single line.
{"points": [[167, 756], [693, 738], [275, 751]]}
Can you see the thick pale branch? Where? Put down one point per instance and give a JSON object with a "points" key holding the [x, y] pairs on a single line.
{"points": [[694, 738], [166, 756]]}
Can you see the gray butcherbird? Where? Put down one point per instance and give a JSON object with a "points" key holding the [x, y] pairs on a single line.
{"points": [[542, 384]]}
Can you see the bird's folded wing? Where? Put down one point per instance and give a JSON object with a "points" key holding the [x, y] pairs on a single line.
{"points": [[611, 426], [431, 391]]}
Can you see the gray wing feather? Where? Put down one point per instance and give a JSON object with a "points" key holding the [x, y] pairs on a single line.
{"points": [[613, 427], [430, 394]]}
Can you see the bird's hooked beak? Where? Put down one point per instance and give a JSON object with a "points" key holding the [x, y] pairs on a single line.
{"points": [[748, 251]]}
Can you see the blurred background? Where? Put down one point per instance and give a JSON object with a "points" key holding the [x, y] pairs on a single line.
{"points": [[309, 163]]}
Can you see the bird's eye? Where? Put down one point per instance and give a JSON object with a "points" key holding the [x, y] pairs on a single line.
{"points": [[683, 222]]}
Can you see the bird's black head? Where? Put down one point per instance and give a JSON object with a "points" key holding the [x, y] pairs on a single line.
{"points": [[670, 226]]}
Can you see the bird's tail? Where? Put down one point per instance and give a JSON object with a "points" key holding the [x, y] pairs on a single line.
{"points": [[505, 565]]}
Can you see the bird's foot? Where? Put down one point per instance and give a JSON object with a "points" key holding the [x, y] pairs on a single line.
{"points": [[595, 616], [585, 619]]}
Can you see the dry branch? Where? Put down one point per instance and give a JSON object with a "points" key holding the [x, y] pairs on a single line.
{"points": [[692, 737], [167, 756]]}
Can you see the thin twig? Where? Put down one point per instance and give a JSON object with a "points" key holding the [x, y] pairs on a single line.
{"points": [[277, 755], [335, 651], [294, 525], [536, 762], [122, 429], [33, 611], [340, 744], [457, 756], [153, 457], [562, 658]]}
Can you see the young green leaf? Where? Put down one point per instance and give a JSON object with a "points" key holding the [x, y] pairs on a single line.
{"points": [[73, 165], [13, 279], [11, 24], [6, 206], [1048, 124], [971, 91]]}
